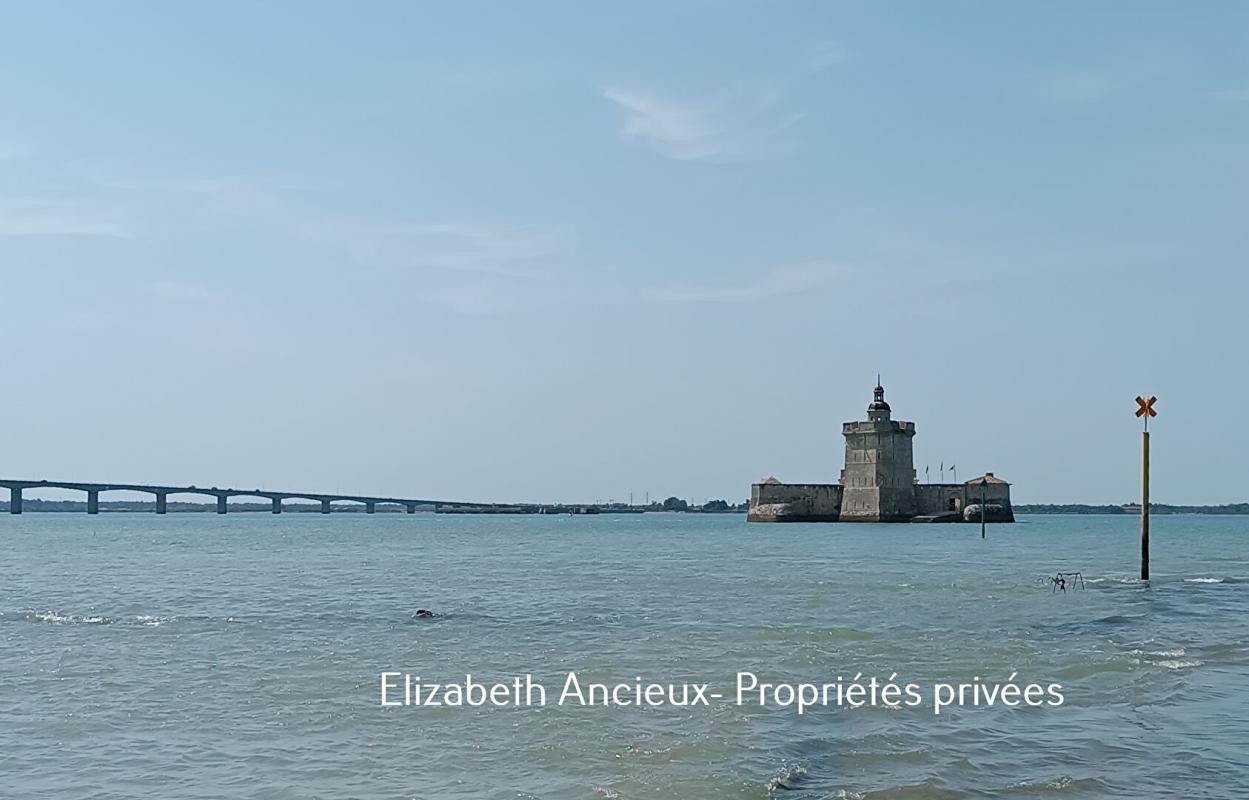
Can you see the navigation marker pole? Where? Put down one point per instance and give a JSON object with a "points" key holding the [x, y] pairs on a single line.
{"points": [[1146, 410], [982, 501]]}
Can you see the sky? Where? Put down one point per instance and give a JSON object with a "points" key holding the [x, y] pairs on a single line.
{"points": [[573, 251]]}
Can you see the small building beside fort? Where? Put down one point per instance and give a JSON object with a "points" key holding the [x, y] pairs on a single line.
{"points": [[879, 484]]}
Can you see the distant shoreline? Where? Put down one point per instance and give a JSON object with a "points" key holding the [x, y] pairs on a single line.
{"points": [[34, 505], [1154, 508]]}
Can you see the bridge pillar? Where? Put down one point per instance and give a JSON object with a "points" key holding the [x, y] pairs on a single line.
{"points": [[411, 507], [370, 507], [160, 503], [93, 501], [325, 506], [277, 505], [221, 504], [15, 500]]}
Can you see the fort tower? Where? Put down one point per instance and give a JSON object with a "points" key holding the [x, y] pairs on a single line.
{"points": [[878, 482]]}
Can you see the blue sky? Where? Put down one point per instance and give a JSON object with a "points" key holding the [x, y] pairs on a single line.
{"points": [[567, 251]]}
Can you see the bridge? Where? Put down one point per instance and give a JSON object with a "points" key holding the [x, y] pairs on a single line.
{"points": [[161, 493]]}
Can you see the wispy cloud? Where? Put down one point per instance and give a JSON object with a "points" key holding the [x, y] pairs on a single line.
{"points": [[776, 283], [469, 247], [1090, 84], [25, 216], [466, 266], [823, 55], [747, 121], [737, 125]]}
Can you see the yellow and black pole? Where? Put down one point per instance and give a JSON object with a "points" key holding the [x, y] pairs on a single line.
{"points": [[1145, 410]]}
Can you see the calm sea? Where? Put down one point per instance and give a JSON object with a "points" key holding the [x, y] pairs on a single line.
{"points": [[197, 656]]}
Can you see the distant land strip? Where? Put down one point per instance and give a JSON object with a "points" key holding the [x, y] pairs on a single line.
{"points": [[1130, 508], [33, 504]]}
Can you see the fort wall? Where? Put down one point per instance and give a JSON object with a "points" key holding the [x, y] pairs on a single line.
{"points": [[940, 498], [794, 502]]}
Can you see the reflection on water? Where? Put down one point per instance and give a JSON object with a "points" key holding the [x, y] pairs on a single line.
{"points": [[238, 657]]}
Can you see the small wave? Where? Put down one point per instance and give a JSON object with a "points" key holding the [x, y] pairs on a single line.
{"points": [[1203, 580], [925, 586], [1120, 580], [142, 620], [928, 790], [786, 776], [1085, 670], [841, 634], [872, 757], [58, 618], [1064, 784], [1179, 663], [1172, 653]]}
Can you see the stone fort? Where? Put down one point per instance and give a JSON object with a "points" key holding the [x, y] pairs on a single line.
{"points": [[879, 484]]}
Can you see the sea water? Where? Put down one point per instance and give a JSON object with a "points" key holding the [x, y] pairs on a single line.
{"points": [[239, 656]]}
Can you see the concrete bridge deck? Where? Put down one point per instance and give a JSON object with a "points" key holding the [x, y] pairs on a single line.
{"points": [[160, 493]]}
